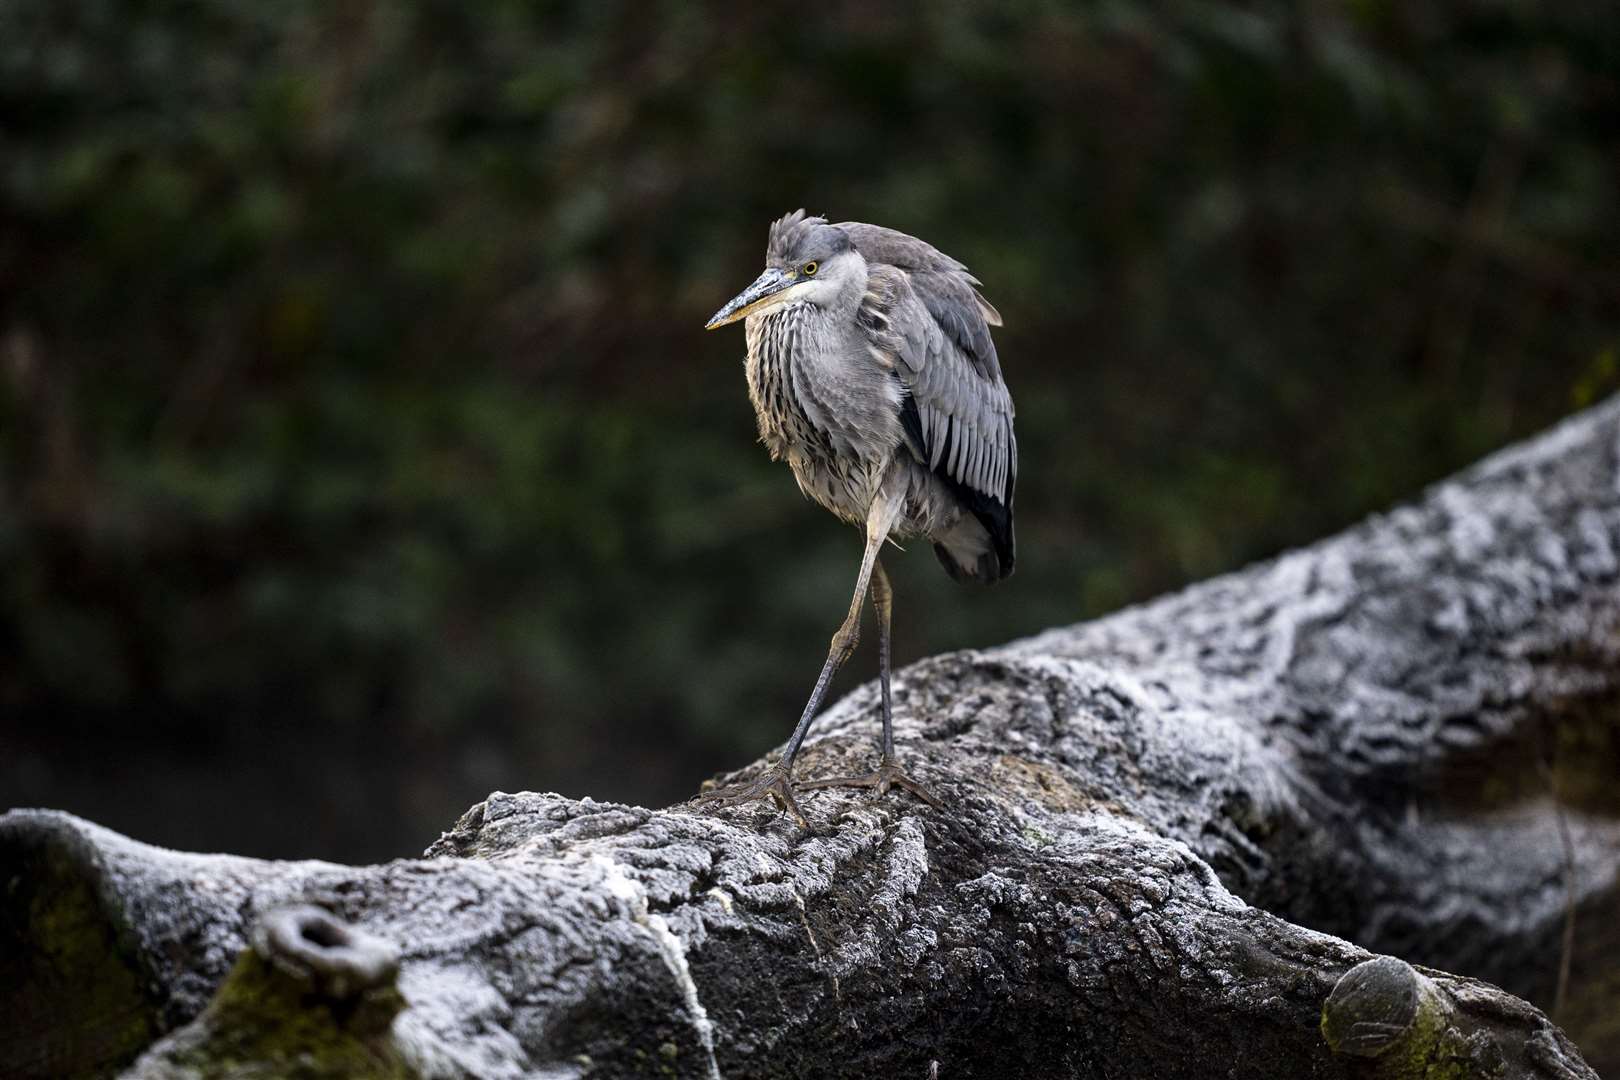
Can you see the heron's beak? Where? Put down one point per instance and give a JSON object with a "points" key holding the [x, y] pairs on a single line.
{"points": [[756, 296]]}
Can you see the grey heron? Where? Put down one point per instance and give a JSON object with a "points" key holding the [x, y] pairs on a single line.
{"points": [[872, 374]]}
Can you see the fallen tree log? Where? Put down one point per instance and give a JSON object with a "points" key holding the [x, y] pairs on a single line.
{"points": [[1238, 831]]}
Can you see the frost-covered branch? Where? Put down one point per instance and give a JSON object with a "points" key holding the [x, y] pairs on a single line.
{"points": [[1237, 831]]}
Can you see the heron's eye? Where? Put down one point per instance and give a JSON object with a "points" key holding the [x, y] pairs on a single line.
{"points": [[810, 269]]}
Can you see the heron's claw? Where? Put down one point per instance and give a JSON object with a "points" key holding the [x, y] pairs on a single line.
{"points": [[888, 774], [772, 784]]}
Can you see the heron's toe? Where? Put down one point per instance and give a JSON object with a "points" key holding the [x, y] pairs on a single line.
{"points": [[888, 774], [773, 784]]}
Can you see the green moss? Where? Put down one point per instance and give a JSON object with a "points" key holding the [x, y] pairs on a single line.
{"points": [[1428, 1048], [72, 994], [264, 1024]]}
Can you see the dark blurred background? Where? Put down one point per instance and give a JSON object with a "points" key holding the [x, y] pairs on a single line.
{"points": [[361, 449]]}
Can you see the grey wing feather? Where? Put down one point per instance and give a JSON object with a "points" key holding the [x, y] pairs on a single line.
{"points": [[944, 286], [922, 307]]}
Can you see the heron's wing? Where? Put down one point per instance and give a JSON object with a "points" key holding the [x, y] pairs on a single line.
{"points": [[944, 286], [923, 313]]}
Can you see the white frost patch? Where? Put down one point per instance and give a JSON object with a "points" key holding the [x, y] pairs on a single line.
{"points": [[674, 952], [908, 866], [446, 1004], [670, 947], [619, 886]]}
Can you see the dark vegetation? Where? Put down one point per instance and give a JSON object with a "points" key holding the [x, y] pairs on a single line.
{"points": [[361, 450]]}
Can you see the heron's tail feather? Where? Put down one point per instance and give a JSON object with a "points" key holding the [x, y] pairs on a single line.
{"points": [[983, 570], [969, 551]]}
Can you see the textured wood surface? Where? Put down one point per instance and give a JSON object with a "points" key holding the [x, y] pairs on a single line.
{"points": [[1238, 831]]}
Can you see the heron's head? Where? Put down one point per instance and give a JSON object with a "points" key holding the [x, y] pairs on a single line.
{"points": [[806, 261]]}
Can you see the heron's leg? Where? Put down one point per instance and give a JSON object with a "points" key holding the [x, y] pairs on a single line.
{"points": [[883, 606], [776, 782], [888, 773]]}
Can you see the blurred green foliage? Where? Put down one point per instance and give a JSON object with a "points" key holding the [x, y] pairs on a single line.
{"points": [[361, 449]]}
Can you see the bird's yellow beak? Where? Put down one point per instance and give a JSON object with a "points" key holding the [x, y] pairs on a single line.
{"points": [[763, 293]]}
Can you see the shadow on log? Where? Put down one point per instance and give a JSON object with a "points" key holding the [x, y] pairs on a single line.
{"points": [[1239, 831]]}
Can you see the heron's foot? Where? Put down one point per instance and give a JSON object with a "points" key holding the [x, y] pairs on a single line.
{"points": [[773, 784], [888, 774]]}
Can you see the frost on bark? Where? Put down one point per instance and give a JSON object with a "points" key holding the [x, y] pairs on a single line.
{"points": [[1245, 830]]}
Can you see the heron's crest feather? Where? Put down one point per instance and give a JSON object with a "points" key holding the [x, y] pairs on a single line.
{"points": [[789, 234]]}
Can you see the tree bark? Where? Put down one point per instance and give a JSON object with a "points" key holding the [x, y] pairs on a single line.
{"points": [[1237, 831]]}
